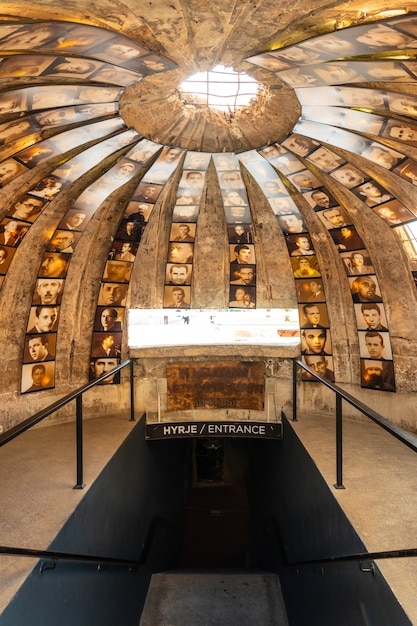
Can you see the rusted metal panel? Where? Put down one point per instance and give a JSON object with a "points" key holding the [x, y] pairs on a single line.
{"points": [[219, 385]]}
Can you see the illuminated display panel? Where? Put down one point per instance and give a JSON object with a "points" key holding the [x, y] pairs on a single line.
{"points": [[185, 327]]}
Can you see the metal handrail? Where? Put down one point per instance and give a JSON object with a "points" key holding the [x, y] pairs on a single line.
{"points": [[77, 396], [55, 556], [399, 433], [361, 556]]}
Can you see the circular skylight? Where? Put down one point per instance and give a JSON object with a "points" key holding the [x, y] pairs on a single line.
{"points": [[222, 88]]}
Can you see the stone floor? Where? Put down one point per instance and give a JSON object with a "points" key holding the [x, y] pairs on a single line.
{"points": [[380, 478]]}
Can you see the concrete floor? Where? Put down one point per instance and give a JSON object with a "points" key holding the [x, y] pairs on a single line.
{"points": [[380, 479], [38, 473]]}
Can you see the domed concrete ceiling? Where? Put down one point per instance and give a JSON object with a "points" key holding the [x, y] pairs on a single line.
{"points": [[119, 191]]}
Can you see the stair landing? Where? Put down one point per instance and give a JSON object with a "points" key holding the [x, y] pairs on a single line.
{"points": [[199, 598]]}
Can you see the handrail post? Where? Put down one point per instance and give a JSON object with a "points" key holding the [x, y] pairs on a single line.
{"points": [[79, 441], [339, 443], [294, 390], [132, 393]]}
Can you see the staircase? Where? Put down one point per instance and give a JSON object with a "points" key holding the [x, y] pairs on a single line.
{"points": [[200, 598]]}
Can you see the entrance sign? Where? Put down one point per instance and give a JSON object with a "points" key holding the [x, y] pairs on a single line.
{"points": [[258, 430]]}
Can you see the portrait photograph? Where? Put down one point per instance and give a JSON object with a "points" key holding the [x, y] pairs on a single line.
{"points": [[43, 319], [347, 238], [305, 181], [242, 254], [13, 101], [119, 51], [378, 375], [109, 319], [365, 289], [80, 39], [305, 266], [183, 232], [243, 275], [177, 297], [106, 344], [12, 232], [117, 271], [48, 291], [6, 255], [242, 297], [147, 192], [142, 209], [9, 131], [39, 348], [321, 198], [310, 290], [299, 144], [192, 179], [230, 180], [237, 214], [299, 244], [112, 294], [33, 36], [357, 262], [316, 341], [178, 274], [292, 223], [334, 217], [355, 96], [234, 198], [38, 376], [349, 176], [371, 316], [153, 63], [269, 62], [9, 170], [103, 365], [282, 206], [394, 213], [325, 159], [123, 251], [372, 193], [225, 162], [240, 233], [41, 151], [64, 241], [197, 161], [25, 65], [185, 213], [54, 265], [321, 365], [313, 315], [180, 252], [408, 169], [70, 66], [74, 219], [52, 96], [401, 131], [374, 344], [381, 155]]}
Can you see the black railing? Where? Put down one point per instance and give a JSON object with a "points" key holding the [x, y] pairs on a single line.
{"points": [[402, 435], [77, 396], [55, 556]]}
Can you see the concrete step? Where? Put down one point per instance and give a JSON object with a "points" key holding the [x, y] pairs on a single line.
{"points": [[203, 598]]}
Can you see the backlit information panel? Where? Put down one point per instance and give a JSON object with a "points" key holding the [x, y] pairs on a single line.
{"points": [[185, 327]]}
